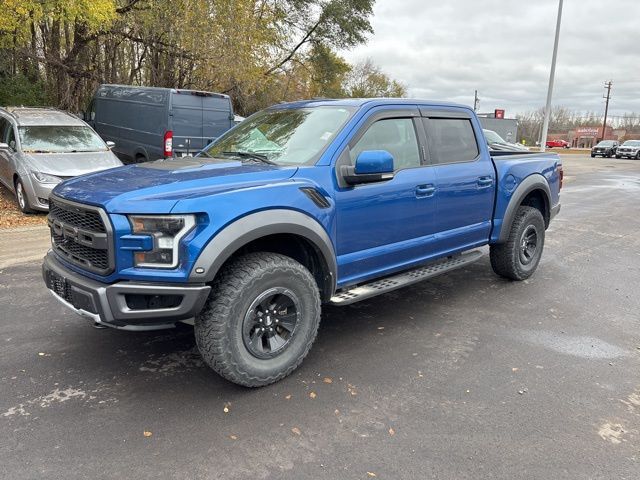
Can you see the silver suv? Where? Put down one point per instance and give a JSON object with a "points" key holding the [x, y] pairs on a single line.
{"points": [[41, 147]]}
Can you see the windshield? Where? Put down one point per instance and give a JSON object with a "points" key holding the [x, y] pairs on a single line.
{"points": [[631, 143], [605, 143], [493, 137], [50, 139], [282, 136]]}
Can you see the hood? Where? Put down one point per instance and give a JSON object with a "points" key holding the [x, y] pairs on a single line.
{"points": [[155, 187], [72, 164]]}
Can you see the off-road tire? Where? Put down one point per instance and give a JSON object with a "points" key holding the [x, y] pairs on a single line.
{"points": [[24, 206], [219, 326], [507, 258]]}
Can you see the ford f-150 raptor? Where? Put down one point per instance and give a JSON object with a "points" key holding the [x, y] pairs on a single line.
{"points": [[302, 204]]}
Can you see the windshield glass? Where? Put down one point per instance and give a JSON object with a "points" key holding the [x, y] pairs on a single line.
{"points": [[282, 136], [632, 143], [50, 139], [493, 137], [605, 143]]}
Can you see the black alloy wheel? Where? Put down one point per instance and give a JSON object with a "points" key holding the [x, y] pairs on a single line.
{"points": [[270, 323]]}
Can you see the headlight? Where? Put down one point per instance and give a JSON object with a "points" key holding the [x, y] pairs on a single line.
{"points": [[167, 231], [45, 178]]}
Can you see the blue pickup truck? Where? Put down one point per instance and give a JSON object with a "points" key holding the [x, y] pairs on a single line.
{"points": [[302, 204]]}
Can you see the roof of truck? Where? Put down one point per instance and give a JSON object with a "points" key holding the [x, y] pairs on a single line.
{"points": [[360, 102], [32, 116]]}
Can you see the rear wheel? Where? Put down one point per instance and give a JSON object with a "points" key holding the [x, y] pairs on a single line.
{"points": [[21, 197], [519, 256], [638, 155], [260, 319]]}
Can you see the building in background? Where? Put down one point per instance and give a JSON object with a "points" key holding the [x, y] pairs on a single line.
{"points": [[507, 128]]}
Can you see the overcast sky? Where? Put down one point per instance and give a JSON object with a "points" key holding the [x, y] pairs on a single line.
{"points": [[444, 49]]}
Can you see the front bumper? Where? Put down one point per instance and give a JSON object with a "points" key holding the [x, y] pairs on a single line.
{"points": [[628, 153], [123, 305]]}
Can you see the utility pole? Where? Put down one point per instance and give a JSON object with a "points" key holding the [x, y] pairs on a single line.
{"points": [[476, 101], [607, 85], [552, 74]]}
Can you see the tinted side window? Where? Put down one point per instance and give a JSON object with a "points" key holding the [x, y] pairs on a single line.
{"points": [[3, 130], [11, 136], [451, 140], [395, 135]]}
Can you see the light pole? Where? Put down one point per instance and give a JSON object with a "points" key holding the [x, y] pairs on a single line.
{"points": [[547, 110]]}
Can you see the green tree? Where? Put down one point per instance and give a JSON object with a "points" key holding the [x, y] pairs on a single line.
{"points": [[367, 80]]}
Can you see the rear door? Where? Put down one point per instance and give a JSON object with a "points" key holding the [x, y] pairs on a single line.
{"points": [[186, 118], [465, 179], [217, 117]]}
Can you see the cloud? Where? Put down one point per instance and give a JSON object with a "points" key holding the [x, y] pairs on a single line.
{"points": [[445, 50]]}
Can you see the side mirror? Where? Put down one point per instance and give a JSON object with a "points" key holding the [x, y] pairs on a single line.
{"points": [[371, 166], [4, 146], [110, 144], [82, 116]]}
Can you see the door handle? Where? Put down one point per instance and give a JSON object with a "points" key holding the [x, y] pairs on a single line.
{"points": [[425, 191], [484, 182]]}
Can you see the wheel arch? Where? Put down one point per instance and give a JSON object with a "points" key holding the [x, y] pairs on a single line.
{"points": [[533, 191], [288, 232]]}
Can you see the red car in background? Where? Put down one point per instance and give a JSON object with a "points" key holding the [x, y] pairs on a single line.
{"points": [[557, 144]]}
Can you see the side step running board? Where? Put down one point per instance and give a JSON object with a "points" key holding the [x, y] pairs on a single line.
{"points": [[388, 284]]}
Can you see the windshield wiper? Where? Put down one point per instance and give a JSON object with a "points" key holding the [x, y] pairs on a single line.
{"points": [[37, 151], [252, 155]]}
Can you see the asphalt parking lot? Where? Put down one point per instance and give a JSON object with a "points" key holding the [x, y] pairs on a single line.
{"points": [[464, 376]]}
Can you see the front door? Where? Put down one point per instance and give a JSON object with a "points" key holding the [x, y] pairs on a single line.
{"points": [[385, 226]]}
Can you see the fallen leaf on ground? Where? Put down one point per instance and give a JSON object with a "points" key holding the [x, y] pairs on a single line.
{"points": [[312, 395], [147, 434], [226, 408], [514, 369], [380, 328], [392, 432], [327, 380], [296, 431], [288, 397], [233, 437], [371, 474]]}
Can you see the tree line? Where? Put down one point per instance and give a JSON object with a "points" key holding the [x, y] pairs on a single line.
{"points": [[562, 119], [260, 52]]}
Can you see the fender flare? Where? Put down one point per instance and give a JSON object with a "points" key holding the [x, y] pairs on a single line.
{"points": [[528, 185], [260, 224]]}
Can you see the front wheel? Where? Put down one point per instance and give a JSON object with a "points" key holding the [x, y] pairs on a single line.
{"points": [[260, 320], [519, 256], [21, 197]]}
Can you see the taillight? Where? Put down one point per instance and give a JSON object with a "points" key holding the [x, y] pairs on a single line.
{"points": [[561, 174], [168, 143]]}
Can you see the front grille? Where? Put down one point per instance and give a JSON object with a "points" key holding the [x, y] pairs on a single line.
{"points": [[81, 235], [85, 219]]}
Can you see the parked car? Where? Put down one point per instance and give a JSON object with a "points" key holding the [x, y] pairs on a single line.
{"points": [[629, 149], [149, 123], [605, 148], [558, 144], [498, 144], [325, 201], [41, 147]]}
